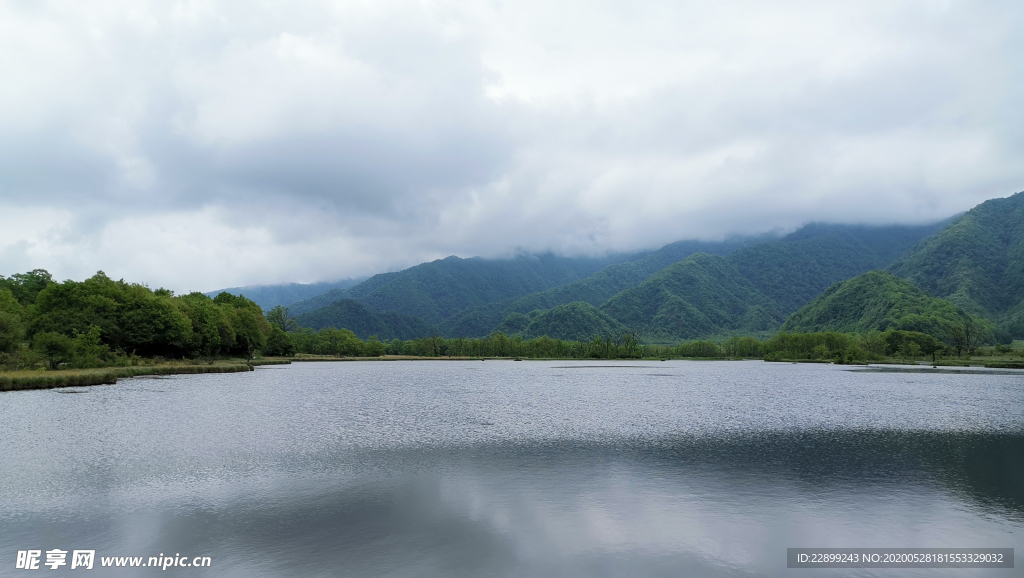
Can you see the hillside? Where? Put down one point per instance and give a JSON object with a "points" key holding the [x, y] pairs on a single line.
{"points": [[354, 316], [699, 296], [270, 296], [595, 290], [573, 321], [875, 301], [801, 265], [977, 262], [743, 285], [753, 289], [439, 289]]}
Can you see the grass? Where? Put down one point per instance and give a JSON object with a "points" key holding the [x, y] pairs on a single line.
{"points": [[20, 380]]}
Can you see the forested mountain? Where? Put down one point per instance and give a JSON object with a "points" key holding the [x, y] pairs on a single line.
{"points": [[699, 296], [354, 316], [800, 266], [754, 289], [568, 322], [743, 285], [595, 289], [875, 301], [270, 296], [438, 290], [977, 262]]}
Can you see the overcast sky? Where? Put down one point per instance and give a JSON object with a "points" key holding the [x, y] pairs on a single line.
{"points": [[202, 144]]}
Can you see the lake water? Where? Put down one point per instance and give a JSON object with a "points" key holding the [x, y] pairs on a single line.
{"points": [[501, 468]]}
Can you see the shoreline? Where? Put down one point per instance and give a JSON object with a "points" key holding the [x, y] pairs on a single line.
{"points": [[32, 380]]}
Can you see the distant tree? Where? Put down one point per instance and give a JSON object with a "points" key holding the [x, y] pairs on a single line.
{"points": [[433, 345], [210, 327], [26, 286], [279, 343], [965, 335], [395, 347], [279, 317], [374, 347], [630, 341], [12, 329], [55, 348], [251, 330]]}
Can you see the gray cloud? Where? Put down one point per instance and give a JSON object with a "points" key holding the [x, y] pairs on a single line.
{"points": [[204, 144]]}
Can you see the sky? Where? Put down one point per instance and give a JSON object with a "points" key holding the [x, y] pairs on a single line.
{"points": [[196, 145]]}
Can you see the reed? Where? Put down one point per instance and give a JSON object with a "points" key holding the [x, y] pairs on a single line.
{"points": [[21, 380]]}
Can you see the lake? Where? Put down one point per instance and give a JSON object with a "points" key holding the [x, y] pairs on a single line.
{"points": [[502, 468]]}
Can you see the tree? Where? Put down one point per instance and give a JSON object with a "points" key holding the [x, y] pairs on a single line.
{"points": [[251, 330], [26, 286], [374, 347], [630, 342], [279, 317], [209, 326], [149, 323], [965, 335], [12, 330], [55, 348], [279, 343]]}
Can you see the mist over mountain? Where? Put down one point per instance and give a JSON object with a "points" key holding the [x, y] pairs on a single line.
{"points": [[977, 262], [685, 290], [270, 296], [439, 289]]}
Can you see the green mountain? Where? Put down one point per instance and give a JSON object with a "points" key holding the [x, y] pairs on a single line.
{"points": [[699, 296], [270, 296], [595, 290], [754, 289], [354, 316], [574, 321], [875, 300], [801, 265], [440, 289], [977, 262], [751, 285]]}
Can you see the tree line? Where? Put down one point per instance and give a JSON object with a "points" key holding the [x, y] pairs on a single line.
{"points": [[99, 321]]}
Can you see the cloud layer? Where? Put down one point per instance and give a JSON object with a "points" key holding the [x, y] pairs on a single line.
{"points": [[202, 144]]}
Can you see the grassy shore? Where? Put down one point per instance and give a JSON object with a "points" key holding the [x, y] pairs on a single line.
{"points": [[18, 380]]}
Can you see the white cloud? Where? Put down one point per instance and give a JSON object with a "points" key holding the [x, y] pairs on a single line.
{"points": [[200, 144]]}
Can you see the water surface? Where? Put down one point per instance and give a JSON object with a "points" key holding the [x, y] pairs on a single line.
{"points": [[426, 468]]}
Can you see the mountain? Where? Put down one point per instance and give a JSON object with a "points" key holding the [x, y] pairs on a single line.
{"points": [[754, 289], [439, 289], [595, 290], [875, 300], [699, 296], [576, 321], [977, 262], [743, 285], [270, 296], [354, 316], [801, 265]]}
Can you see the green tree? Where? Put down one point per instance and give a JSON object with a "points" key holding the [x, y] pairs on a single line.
{"points": [[87, 350], [279, 343], [12, 329], [374, 347], [211, 329], [251, 330], [55, 348], [279, 317], [25, 286]]}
